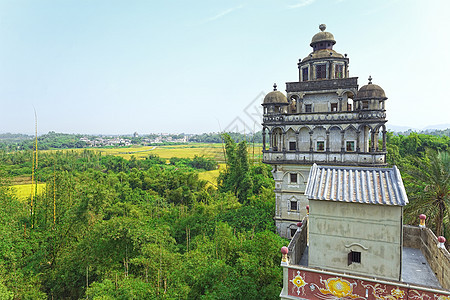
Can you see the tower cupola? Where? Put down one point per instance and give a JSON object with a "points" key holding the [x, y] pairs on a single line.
{"points": [[323, 39], [370, 97], [275, 102]]}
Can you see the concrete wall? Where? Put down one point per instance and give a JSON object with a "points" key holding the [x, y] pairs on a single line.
{"points": [[336, 228], [287, 191], [298, 243], [320, 102], [438, 259]]}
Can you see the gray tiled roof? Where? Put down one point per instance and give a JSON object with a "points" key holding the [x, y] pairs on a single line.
{"points": [[357, 185]]}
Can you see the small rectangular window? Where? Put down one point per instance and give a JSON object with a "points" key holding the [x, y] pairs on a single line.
{"points": [[294, 205], [292, 146], [339, 71], [293, 178], [305, 74], [354, 257], [320, 146], [350, 146], [321, 71], [308, 107], [334, 106]]}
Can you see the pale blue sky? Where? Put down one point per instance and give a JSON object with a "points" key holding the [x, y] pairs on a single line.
{"points": [[115, 67]]}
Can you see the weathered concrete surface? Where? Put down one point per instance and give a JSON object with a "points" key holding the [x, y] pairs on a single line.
{"points": [[438, 259], [336, 228], [416, 270]]}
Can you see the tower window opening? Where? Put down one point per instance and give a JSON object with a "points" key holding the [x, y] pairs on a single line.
{"points": [[293, 205], [292, 146], [349, 107], [308, 107], [338, 71], [354, 257], [334, 106], [305, 74], [365, 104], [293, 177], [320, 146], [350, 146], [321, 71]]}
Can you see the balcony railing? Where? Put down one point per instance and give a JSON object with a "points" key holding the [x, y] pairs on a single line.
{"points": [[337, 158], [319, 117], [318, 85]]}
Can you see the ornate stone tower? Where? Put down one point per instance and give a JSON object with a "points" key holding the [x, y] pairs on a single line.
{"points": [[323, 119]]}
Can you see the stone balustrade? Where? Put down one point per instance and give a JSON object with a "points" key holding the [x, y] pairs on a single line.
{"points": [[335, 158], [320, 117]]}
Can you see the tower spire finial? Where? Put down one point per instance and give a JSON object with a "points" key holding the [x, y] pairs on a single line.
{"points": [[322, 27], [274, 86], [370, 79]]}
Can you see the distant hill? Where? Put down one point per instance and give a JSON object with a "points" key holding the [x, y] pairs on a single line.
{"points": [[438, 127], [398, 128]]}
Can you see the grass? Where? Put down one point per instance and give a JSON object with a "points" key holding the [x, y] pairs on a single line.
{"points": [[23, 191]]}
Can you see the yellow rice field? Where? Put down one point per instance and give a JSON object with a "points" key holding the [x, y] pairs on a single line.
{"points": [[211, 176], [215, 151], [23, 191]]}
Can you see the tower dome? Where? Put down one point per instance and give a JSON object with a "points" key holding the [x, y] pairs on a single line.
{"points": [[370, 91], [324, 37], [275, 97]]}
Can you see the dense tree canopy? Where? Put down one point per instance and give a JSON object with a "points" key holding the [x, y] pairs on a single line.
{"points": [[110, 228]]}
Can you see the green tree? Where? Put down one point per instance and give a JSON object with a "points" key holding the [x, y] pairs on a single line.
{"points": [[236, 178], [428, 187]]}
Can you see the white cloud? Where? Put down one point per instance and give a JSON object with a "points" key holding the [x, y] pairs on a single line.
{"points": [[301, 3], [223, 13]]}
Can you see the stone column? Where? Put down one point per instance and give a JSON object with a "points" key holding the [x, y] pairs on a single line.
{"points": [[384, 140], [327, 148], [270, 141], [283, 142], [299, 105], [372, 137], [358, 136], [264, 138]]}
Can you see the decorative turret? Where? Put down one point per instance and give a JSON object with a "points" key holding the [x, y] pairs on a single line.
{"points": [[323, 39], [323, 62], [275, 102], [370, 97]]}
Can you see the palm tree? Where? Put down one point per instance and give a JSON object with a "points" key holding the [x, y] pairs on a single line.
{"points": [[428, 186]]}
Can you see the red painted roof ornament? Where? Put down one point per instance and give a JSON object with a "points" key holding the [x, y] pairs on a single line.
{"points": [[284, 252], [422, 218]]}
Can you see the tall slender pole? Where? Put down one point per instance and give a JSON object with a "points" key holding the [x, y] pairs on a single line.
{"points": [[54, 195]]}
